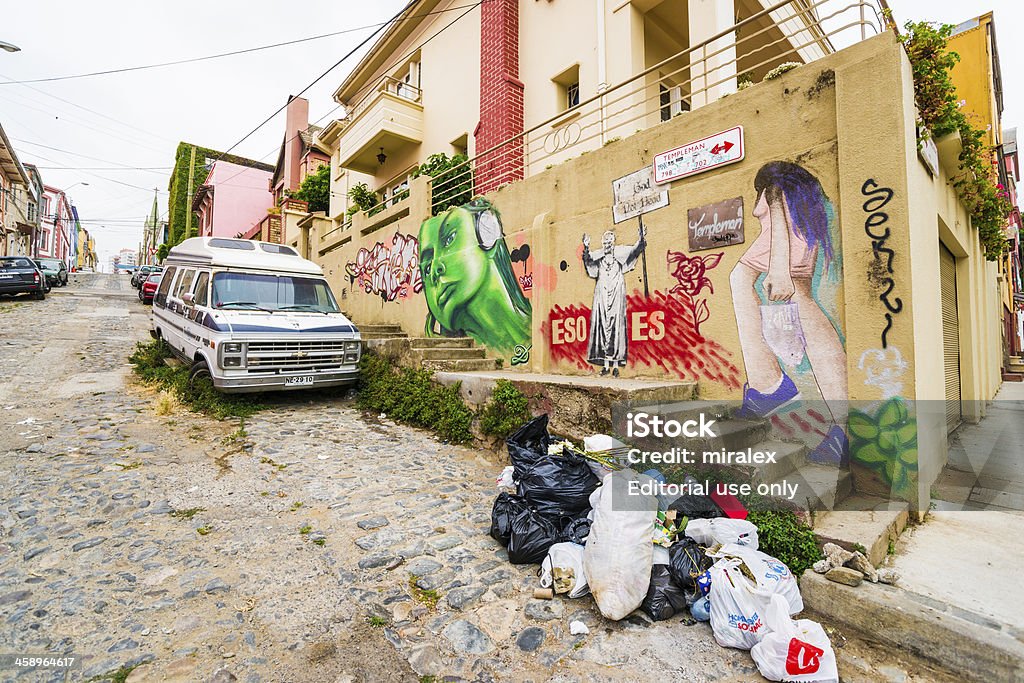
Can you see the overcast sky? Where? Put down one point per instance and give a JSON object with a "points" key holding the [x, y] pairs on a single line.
{"points": [[136, 119]]}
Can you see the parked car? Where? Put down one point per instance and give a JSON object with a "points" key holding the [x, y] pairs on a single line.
{"points": [[148, 288], [55, 270], [139, 275], [253, 316], [142, 272], [21, 275]]}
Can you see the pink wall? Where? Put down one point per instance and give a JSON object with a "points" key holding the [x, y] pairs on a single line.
{"points": [[241, 197]]}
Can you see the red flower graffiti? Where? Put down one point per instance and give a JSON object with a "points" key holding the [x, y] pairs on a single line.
{"points": [[691, 274]]}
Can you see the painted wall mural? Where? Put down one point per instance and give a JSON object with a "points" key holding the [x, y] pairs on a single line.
{"points": [[691, 277], [608, 342], [469, 284], [391, 272], [885, 441], [522, 264], [880, 273], [659, 329], [784, 298]]}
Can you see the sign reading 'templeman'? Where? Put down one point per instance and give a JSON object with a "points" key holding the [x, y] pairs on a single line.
{"points": [[699, 156]]}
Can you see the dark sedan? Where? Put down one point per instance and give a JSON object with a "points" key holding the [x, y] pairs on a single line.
{"points": [[20, 275]]}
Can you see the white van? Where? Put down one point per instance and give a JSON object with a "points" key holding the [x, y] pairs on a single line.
{"points": [[253, 316]]}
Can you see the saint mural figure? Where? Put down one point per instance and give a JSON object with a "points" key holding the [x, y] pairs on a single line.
{"points": [[778, 328], [608, 340], [468, 281]]}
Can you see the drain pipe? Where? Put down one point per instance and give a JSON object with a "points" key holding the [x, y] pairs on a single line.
{"points": [[602, 76]]}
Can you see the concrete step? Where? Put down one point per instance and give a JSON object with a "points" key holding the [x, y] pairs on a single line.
{"points": [[461, 365], [367, 336], [689, 410], [379, 327], [953, 640], [861, 521], [819, 487], [451, 354], [788, 458], [418, 343]]}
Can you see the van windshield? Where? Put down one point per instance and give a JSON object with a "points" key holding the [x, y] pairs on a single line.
{"points": [[272, 293]]}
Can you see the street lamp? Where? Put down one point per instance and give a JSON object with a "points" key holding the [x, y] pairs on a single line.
{"points": [[8, 47], [80, 182]]}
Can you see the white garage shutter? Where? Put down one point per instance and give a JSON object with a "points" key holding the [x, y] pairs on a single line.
{"points": [[950, 337]]}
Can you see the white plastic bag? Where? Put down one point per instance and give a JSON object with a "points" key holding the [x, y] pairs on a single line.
{"points": [[617, 557], [772, 575], [737, 606], [597, 443], [567, 559], [505, 479], [794, 650], [722, 530]]}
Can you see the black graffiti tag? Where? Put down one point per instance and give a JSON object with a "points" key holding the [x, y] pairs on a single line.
{"points": [[881, 272]]}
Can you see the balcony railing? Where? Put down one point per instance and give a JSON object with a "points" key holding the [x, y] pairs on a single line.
{"points": [[793, 30], [387, 84]]}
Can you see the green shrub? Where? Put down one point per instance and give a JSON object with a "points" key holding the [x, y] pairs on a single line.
{"points": [[413, 397], [938, 106], [148, 363], [507, 410], [781, 534]]}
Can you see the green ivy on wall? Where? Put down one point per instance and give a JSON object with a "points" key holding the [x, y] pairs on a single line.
{"points": [[935, 94]]}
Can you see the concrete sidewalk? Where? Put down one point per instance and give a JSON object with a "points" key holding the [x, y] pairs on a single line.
{"points": [[986, 460]]}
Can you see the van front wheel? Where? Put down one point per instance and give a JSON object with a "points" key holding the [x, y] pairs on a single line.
{"points": [[199, 373]]}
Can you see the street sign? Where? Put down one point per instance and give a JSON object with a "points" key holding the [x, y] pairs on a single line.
{"points": [[699, 156], [716, 225], [636, 194]]}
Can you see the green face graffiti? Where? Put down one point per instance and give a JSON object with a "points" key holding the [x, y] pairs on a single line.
{"points": [[468, 281]]}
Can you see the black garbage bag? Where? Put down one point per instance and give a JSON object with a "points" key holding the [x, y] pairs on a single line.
{"points": [[531, 536], [506, 507], [559, 485], [528, 444], [687, 561], [664, 597], [577, 530], [696, 507]]}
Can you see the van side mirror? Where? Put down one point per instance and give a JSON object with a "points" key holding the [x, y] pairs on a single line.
{"points": [[188, 299]]}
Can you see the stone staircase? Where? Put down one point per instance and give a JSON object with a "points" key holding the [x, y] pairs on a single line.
{"points": [[440, 354]]}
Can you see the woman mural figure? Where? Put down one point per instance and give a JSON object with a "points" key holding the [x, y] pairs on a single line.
{"points": [[796, 220], [468, 281]]}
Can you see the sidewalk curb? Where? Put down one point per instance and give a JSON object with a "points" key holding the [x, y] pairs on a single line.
{"points": [[969, 645]]}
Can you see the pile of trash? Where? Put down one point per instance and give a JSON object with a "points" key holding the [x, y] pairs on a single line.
{"points": [[581, 517]]}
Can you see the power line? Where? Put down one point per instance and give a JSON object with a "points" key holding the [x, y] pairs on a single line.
{"points": [[233, 53], [105, 168], [468, 9], [96, 175], [93, 112], [84, 156], [316, 80]]}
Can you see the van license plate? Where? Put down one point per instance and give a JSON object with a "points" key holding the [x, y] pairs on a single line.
{"points": [[296, 381]]}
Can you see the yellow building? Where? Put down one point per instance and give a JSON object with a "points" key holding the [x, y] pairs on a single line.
{"points": [[978, 80]]}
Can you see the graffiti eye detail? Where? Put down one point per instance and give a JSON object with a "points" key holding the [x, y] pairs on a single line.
{"points": [[449, 239]]}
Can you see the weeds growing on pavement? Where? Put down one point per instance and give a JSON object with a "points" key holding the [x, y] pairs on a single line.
{"points": [[148, 363], [413, 397], [782, 534], [428, 597], [507, 411], [187, 513]]}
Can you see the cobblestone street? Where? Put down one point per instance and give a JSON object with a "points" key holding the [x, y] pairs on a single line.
{"points": [[284, 550]]}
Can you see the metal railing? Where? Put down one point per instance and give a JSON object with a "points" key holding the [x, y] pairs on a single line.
{"points": [[386, 84], [788, 31]]}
